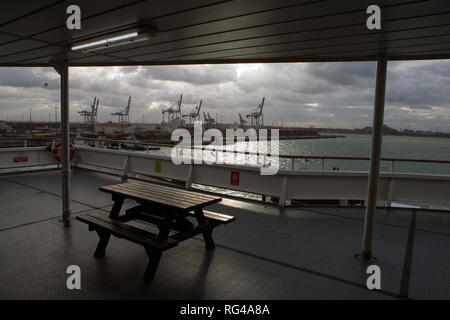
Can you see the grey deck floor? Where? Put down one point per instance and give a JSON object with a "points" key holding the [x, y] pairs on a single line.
{"points": [[305, 253]]}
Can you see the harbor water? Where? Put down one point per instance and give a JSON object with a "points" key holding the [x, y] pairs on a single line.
{"points": [[357, 145], [354, 145]]}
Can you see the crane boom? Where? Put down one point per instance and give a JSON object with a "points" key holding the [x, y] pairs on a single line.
{"points": [[96, 107], [261, 106], [127, 112], [179, 103], [199, 107]]}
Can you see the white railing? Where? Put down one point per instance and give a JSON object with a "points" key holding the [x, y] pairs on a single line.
{"points": [[285, 185], [312, 185], [25, 157], [288, 162]]}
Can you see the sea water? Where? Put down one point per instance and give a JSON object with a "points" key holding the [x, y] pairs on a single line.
{"points": [[356, 145]]}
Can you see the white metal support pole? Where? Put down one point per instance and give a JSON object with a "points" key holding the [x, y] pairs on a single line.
{"points": [[375, 155], [189, 177], [126, 167], [63, 70], [283, 192]]}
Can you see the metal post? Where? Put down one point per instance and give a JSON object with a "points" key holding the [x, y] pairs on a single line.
{"points": [[126, 167], [375, 155], [63, 70], [56, 121]]}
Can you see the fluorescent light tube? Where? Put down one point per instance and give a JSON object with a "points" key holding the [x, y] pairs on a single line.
{"points": [[111, 41]]}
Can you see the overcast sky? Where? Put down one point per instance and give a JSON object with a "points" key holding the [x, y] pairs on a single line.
{"points": [[338, 95]]}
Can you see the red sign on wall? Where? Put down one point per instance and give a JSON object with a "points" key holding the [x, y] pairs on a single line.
{"points": [[20, 159], [234, 178]]}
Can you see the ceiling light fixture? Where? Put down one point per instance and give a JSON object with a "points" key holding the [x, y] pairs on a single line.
{"points": [[116, 39]]}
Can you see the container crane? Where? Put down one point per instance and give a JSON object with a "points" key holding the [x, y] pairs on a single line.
{"points": [[124, 115], [242, 121], [208, 119], [195, 114], [90, 116], [172, 113], [257, 117]]}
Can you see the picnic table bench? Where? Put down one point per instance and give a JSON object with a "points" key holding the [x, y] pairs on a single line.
{"points": [[166, 207]]}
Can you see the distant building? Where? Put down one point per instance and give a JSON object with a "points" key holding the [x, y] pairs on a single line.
{"points": [[4, 128], [124, 128], [112, 128], [386, 130]]}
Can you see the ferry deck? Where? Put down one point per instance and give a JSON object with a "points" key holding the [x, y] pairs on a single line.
{"points": [[267, 253]]}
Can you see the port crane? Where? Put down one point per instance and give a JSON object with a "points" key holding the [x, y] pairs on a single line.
{"points": [[242, 121], [124, 115], [195, 114], [172, 113], [257, 117], [208, 119], [90, 116]]}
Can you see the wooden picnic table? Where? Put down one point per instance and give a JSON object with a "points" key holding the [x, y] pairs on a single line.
{"points": [[177, 213]]}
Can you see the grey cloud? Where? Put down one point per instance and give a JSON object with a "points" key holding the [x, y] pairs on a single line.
{"points": [[28, 78], [418, 84], [343, 73], [343, 92], [199, 75]]}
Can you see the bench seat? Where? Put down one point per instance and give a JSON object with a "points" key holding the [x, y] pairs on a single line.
{"points": [[217, 217], [121, 230]]}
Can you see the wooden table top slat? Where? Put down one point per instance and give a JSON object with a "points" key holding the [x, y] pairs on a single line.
{"points": [[180, 191], [162, 195], [140, 195], [167, 193], [155, 194]]}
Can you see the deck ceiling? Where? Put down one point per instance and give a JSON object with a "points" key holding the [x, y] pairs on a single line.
{"points": [[34, 33]]}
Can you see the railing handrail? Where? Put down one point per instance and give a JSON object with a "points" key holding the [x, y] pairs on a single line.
{"points": [[268, 154], [363, 158], [284, 156], [29, 138]]}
